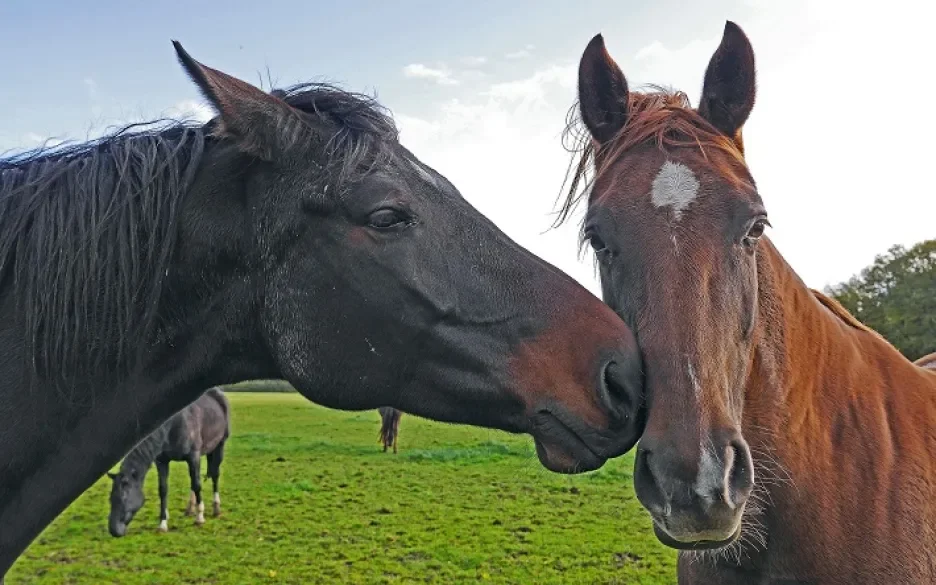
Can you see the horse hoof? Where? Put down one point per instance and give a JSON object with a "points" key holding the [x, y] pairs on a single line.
{"points": [[200, 519], [163, 527], [217, 511]]}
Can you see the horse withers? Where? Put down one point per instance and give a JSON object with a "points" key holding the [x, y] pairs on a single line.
{"points": [[291, 237], [785, 441], [201, 428]]}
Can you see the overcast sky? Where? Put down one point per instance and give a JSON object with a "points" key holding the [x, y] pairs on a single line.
{"points": [[840, 141]]}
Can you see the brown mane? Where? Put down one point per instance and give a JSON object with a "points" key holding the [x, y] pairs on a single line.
{"points": [[841, 312], [665, 117]]}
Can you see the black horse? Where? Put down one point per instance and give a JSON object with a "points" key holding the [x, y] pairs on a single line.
{"points": [[291, 237], [389, 427], [201, 428]]}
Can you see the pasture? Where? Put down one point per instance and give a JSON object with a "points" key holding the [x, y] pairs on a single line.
{"points": [[308, 497]]}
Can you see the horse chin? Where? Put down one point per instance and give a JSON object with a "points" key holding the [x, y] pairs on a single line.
{"points": [[118, 530], [665, 538], [561, 450]]}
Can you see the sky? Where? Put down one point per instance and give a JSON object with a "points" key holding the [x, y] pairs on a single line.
{"points": [[839, 141]]}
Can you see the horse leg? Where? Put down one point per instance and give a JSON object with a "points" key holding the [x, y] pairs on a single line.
{"points": [[190, 506], [394, 444], [194, 465], [214, 472], [162, 469]]}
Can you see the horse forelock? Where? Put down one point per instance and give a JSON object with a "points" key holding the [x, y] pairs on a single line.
{"points": [[361, 132], [661, 116]]}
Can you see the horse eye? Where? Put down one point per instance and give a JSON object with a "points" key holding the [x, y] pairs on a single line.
{"points": [[597, 244], [756, 231], [386, 218]]}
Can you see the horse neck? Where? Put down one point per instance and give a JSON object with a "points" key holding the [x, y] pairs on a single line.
{"points": [[812, 362], [147, 450]]}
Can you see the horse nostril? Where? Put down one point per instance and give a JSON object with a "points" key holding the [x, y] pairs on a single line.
{"points": [[616, 394], [645, 484], [741, 474]]}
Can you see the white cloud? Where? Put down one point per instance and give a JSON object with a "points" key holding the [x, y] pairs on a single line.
{"points": [[31, 138], [440, 75], [474, 61], [533, 89], [90, 87], [835, 169], [501, 147], [190, 110], [521, 54], [28, 141], [842, 177]]}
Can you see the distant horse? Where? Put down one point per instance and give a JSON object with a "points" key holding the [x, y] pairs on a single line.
{"points": [[927, 361], [201, 428], [784, 438], [291, 237], [389, 426]]}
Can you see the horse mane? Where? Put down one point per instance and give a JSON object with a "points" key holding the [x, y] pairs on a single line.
{"points": [[87, 231], [661, 116], [841, 312], [141, 457]]}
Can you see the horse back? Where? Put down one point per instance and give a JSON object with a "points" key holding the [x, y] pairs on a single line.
{"points": [[217, 401], [207, 420]]}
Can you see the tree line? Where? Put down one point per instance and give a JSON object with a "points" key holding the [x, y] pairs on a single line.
{"points": [[896, 296]]}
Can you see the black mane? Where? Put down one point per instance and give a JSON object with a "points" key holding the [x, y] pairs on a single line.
{"points": [[362, 128], [87, 231]]}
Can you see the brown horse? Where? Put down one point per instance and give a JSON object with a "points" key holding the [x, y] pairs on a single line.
{"points": [[389, 427], [785, 442]]}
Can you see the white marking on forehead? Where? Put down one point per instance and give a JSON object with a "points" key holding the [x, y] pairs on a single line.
{"points": [[674, 186], [423, 173]]}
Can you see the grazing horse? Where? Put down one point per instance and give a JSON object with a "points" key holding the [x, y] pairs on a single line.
{"points": [[389, 426], [785, 442], [291, 237], [200, 428]]}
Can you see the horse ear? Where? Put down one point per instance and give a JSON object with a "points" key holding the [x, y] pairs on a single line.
{"points": [[602, 90], [729, 87], [260, 122]]}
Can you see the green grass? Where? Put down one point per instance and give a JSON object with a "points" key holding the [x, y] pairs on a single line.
{"points": [[309, 497]]}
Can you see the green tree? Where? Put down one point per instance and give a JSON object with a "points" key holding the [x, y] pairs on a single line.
{"points": [[896, 296]]}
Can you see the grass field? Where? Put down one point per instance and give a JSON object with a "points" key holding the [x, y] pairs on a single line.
{"points": [[309, 497]]}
